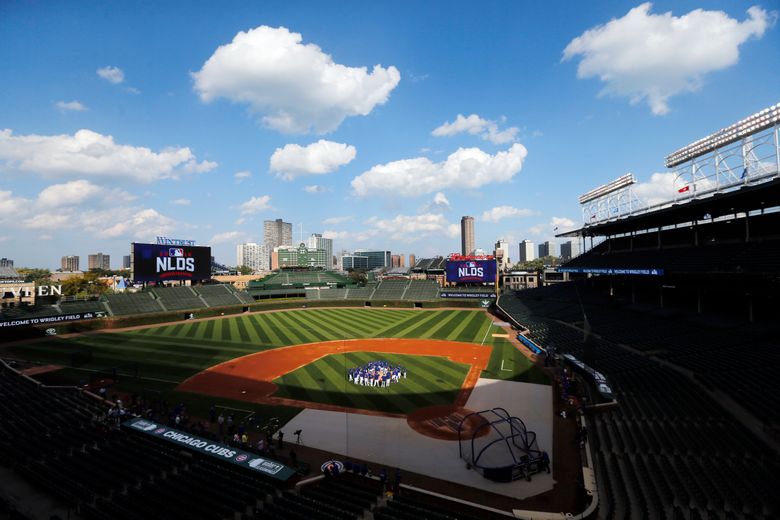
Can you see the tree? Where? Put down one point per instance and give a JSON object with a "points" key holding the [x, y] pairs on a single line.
{"points": [[358, 277], [244, 270], [34, 274], [89, 284]]}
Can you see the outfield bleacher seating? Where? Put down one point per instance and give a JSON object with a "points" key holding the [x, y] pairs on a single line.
{"points": [[28, 311], [133, 303], [422, 290], [360, 293], [218, 295], [71, 307], [390, 290], [179, 298]]}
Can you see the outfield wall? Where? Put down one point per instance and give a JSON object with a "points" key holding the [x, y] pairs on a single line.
{"points": [[117, 322]]}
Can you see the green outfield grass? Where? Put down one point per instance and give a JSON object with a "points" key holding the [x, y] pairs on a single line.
{"points": [[166, 355], [430, 381]]}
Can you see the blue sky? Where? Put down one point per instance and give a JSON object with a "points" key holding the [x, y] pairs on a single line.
{"points": [[377, 123]]}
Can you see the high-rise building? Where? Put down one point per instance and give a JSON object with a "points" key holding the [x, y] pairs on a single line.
{"points": [[569, 250], [527, 252], [352, 262], [126, 262], [412, 260], [6, 262], [397, 260], [317, 242], [376, 258], [501, 252], [254, 256], [70, 263], [299, 257], [467, 244], [277, 233], [547, 249], [99, 261]]}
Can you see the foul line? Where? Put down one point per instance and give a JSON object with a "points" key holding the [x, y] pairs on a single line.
{"points": [[505, 369]]}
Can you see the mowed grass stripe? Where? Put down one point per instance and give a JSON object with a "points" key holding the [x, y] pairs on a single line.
{"points": [[295, 334], [398, 329], [251, 332], [345, 319], [341, 326], [279, 329], [440, 371], [449, 327], [414, 331], [373, 319], [270, 330], [323, 331], [333, 369], [460, 334], [241, 327], [332, 330], [305, 326], [193, 329], [208, 332], [292, 386], [258, 327], [444, 320]]}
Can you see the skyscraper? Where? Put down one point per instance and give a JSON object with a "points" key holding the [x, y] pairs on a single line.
{"points": [[547, 249], [412, 260], [99, 261], [467, 235], [254, 256], [527, 251], [6, 262], [570, 249], [317, 242], [277, 233], [501, 252], [70, 263], [126, 262]]}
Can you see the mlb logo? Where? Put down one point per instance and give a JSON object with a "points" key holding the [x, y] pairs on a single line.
{"points": [[471, 264], [175, 251]]}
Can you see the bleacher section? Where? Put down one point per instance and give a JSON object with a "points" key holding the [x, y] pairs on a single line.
{"points": [[72, 307], [218, 295], [179, 298], [669, 450], [390, 290], [25, 311], [132, 303], [422, 290]]}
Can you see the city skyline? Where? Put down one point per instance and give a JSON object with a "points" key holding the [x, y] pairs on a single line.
{"points": [[505, 112]]}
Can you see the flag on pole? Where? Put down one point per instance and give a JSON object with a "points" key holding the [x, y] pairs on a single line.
{"points": [[684, 189]]}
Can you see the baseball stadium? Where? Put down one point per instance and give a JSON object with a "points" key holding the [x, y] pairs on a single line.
{"points": [[637, 386]]}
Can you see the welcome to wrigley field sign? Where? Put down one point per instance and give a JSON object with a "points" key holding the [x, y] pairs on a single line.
{"points": [[244, 459]]}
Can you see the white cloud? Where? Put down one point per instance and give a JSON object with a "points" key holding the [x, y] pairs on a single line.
{"points": [[332, 221], [235, 237], [465, 168], [70, 106], [554, 226], [316, 188], [652, 57], [88, 153], [350, 236], [318, 158], [69, 193], [296, 86], [112, 74], [181, 202], [139, 224], [437, 205], [132, 90], [660, 188], [410, 228], [475, 125], [10, 205], [240, 176], [255, 204], [502, 212]]}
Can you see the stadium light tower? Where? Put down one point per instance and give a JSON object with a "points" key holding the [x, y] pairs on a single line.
{"points": [[608, 201], [746, 152]]}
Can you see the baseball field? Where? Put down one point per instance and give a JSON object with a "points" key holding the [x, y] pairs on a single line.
{"points": [[167, 359]]}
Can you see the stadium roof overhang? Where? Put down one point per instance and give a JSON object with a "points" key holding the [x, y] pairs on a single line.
{"points": [[747, 198]]}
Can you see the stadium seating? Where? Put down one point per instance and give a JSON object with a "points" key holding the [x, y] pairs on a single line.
{"points": [[218, 295], [28, 311], [179, 298], [654, 454], [360, 293], [390, 290], [422, 290], [132, 303], [71, 307]]}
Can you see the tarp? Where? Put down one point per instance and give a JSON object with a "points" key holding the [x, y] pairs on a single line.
{"points": [[188, 441]]}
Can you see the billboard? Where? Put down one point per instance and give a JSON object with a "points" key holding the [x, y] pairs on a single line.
{"points": [[158, 263], [471, 271]]}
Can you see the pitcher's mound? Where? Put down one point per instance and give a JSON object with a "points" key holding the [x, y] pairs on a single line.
{"points": [[442, 422]]}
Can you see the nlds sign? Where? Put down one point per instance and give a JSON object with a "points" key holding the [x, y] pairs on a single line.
{"points": [[471, 271], [177, 260], [158, 262]]}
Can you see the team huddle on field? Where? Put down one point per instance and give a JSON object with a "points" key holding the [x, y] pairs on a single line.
{"points": [[377, 373]]}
